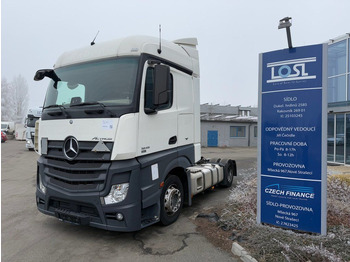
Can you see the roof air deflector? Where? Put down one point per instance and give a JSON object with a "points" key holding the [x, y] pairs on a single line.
{"points": [[187, 41]]}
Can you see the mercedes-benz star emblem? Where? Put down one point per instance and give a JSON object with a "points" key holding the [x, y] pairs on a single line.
{"points": [[71, 148]]}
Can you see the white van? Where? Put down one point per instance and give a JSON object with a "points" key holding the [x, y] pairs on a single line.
{"points": [[8, 127]]}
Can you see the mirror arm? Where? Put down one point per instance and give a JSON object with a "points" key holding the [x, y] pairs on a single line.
{"points": [[153, 62], [150, 111], [51, 74]]}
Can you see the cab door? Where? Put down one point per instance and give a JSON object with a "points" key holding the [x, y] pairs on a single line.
{"points": [[157, 122]]}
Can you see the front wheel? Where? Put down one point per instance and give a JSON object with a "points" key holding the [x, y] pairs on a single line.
{"points": [[171, 200]]}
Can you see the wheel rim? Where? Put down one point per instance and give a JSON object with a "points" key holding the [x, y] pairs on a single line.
{"points": [[172, 200]]}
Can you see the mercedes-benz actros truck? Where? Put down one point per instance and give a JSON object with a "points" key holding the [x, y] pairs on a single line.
{"points": [[119, 135]]}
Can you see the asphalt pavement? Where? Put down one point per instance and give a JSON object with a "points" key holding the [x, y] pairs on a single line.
{"points": [[28, 235]]}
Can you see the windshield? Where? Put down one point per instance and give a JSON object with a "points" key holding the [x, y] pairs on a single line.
{"points": [[3, 126], [31, 121], [111, 82]]}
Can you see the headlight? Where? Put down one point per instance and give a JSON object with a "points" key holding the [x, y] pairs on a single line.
{"points": [[41, 185], [117, 194]]}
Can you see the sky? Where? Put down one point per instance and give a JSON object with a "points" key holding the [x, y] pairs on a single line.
{"points": [[230, 33]]}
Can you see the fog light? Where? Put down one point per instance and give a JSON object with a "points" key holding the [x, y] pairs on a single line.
{"points": [[119, 216], [117, 194], [41, 185]]}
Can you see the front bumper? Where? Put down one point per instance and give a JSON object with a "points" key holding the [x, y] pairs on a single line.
{"points": [[86, 210], [84, 207]]}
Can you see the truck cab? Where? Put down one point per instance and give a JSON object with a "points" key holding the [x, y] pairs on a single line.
{"points": [[119, 129]]}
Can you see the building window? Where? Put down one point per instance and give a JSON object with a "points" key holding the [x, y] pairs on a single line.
{"points": [[339, 138], [337, 58], [349, 84], [237, 131], [337, 89], [255, 131], [338, 72], [330, 138], [347, 139]]}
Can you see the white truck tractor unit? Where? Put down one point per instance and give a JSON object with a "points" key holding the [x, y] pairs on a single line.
{"points": [[119, 135], [33, 115]]}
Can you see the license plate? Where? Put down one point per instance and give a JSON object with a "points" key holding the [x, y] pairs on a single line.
{"points": [[71, 217]]}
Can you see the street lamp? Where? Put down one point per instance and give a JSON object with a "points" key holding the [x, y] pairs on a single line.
{"points": [[285, 23]]}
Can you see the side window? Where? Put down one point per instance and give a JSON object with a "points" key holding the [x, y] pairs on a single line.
{"points": [[149, 83]]}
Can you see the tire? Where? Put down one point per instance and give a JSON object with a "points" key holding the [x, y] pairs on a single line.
{"points": [[171, 200], [229, 172]]}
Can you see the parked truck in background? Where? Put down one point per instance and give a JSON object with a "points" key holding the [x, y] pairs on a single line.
{"points": [[33, 115], [119, 136]]}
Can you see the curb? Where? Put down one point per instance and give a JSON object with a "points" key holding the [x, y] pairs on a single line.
{"points": [[241, 253]]}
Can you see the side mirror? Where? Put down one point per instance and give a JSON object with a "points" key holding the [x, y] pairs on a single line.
{"points": [[161, 85], [40, 74]]}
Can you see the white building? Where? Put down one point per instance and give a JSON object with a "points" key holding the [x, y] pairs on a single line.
{"points": [[228, 126]]}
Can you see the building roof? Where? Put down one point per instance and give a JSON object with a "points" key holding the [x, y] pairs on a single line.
{"points": [[228, 113]]}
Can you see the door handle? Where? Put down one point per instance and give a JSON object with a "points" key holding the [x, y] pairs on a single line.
{"points": [[172, 140]]}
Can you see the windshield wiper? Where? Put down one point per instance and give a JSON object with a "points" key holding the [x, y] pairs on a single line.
{"points": [[87, 104], [90, 111], [61, 107], [51, 106]]}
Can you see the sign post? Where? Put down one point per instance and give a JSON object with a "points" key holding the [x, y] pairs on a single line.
{"points": [[292, 164]]}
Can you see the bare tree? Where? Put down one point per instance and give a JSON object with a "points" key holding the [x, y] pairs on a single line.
{"points": [[14, 99], [7, 101], [20, 88]]}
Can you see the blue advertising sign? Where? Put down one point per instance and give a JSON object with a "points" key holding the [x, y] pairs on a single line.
{"points": [[292, 158]]}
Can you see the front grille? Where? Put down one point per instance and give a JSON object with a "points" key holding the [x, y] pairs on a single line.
{"points": [[55, 150], [87, 172]]}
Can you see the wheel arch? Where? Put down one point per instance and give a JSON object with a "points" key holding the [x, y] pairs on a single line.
{"points": [[178, 167]]}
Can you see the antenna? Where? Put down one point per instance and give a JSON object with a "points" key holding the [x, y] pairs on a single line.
{"points": [[159, 50], [93, 41]]}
